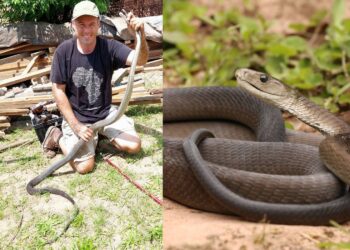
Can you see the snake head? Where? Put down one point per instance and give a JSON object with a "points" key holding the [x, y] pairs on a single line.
{"points": [[262, 85]]}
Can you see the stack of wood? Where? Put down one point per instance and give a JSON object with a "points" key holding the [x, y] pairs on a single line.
{"points": [[4, 122], [24, 82]]}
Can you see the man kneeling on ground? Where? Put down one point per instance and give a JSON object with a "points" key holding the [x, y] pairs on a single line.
{"points": [[81, 74]]}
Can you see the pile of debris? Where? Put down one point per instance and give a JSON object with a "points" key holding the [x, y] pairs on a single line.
{"points": [[25, 68]]}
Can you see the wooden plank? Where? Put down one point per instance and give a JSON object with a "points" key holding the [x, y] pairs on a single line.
{"points": [[136, 80], [5, 124], [154, 63], [118, 98], [146, 69], [140, 102], [27, 102], [118, 75], [52, 107], [13, 112], [155, 68], [135, 89], [19, 64], [24, 102], [155, 54], [32, 62], [42, 87], [14, 58], [27, 48], [120, 89], [20, 78], [4, 119], [11, 50], [12, 68]]}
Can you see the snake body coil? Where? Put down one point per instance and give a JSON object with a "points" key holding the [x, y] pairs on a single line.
{"points": [[258, 176]]}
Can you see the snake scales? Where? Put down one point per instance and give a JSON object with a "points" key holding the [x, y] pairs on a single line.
{"points": [[253, 169], [112, 117]]}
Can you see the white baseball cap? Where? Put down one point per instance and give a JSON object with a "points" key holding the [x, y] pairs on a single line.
{"points": [[85, 8]]}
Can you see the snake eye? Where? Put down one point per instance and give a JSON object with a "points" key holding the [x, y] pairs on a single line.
{"points": [[264, 78]]}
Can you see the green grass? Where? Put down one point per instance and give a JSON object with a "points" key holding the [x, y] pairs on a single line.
{"points": [[46, 227], [78, 221], [85, 244], [114, 214]]}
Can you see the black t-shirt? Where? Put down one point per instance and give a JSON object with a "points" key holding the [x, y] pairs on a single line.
{"points": [[88, 76]]}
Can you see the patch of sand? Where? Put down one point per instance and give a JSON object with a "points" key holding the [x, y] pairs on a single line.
{"points": [[186, 228]]}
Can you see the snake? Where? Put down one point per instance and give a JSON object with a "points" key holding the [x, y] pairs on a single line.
{"points": [[253, 167], [112, 117]]}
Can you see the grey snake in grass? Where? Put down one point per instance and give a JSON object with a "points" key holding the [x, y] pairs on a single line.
{"points": [[252, 167], [112, 117]]}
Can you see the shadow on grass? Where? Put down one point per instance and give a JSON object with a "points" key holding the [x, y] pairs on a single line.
{"points": [[147, 130], [23, 159], [141, 110]]}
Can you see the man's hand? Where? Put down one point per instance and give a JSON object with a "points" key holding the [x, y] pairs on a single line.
{"points": [[134, 23], [83, 131]]}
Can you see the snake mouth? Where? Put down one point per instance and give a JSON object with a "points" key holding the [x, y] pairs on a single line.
{"points": [[253, 89], [245, 83]]}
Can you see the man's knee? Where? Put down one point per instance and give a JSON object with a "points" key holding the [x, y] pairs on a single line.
{"points": [[85, 167], [131, 146], [134, 147]]}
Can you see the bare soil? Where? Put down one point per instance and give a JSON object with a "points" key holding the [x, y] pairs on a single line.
{"points": [[280, 12], [186, 228]]}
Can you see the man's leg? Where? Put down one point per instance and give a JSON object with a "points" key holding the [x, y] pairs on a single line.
{"points": [[84, 160], [82, 167], [128, 142], [123, 136]]}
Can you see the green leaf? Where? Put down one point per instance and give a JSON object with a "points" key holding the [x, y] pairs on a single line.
{"points": [[298, 27], [175, 37], [318, 17], [346, 24], [295, 42], [327, 58], [287, 47], [344, 98], [249, 27], [341, 80], [280, 49], [276, 66], [338, 12]]}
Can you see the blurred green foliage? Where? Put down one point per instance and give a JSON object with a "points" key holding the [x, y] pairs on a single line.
{"points": [[53, 11], [202, 50]]}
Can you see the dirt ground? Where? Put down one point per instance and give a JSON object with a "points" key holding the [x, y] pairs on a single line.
{"points": [[185, 228], [280, 12]]}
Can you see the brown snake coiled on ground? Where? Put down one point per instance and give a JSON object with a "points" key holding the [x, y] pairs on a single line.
{"points": [[266, 178]]}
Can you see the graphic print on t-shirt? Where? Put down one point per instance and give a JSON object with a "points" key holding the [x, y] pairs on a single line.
{"points": [[91, 80]]}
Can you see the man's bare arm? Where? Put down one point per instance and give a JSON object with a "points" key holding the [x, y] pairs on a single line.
{"points": [[135, 24], [143, 56], [65, 108]]}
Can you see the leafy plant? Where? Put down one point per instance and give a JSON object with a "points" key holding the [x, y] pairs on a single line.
{"points": [[202, 50], [41, 10]]}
